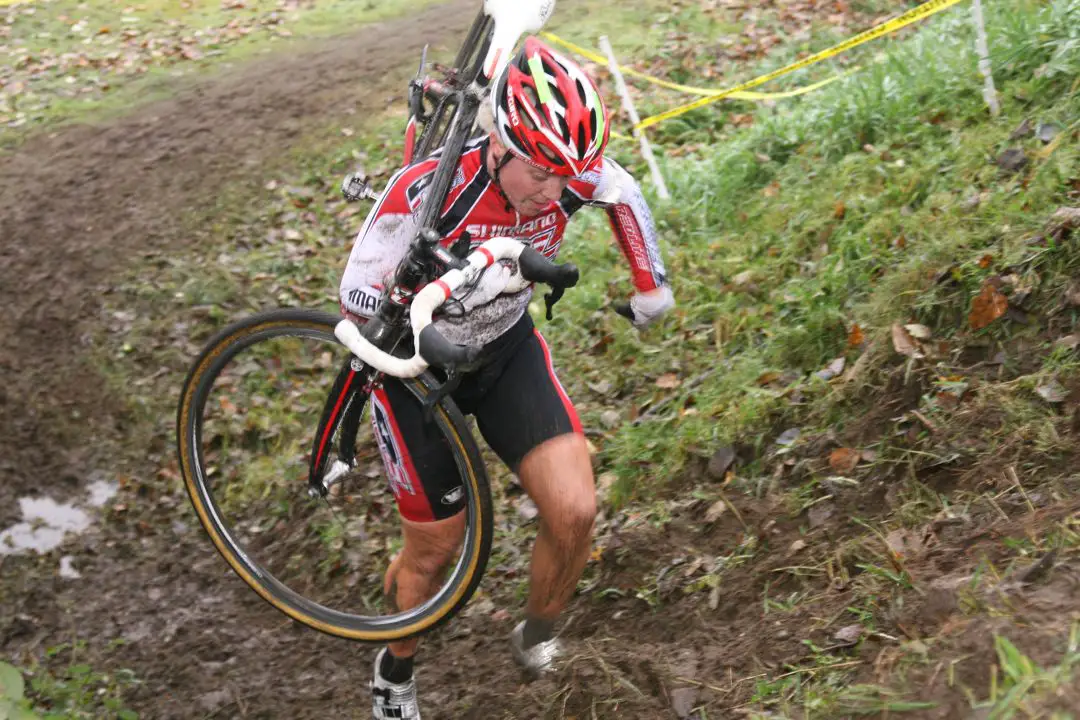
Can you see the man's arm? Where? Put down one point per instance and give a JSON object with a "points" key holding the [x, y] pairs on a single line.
{"points": [[382, 242], [614, 189]]}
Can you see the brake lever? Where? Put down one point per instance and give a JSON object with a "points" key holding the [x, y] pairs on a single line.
{"points": [[553, 297]]}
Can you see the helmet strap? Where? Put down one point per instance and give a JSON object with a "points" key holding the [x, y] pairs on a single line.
{"points": [[507, 156]]}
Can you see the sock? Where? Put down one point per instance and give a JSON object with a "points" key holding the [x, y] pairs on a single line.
{"points": [[536, 631], [395, 669]]}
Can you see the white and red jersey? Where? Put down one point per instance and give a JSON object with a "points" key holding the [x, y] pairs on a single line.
{"points": [[477, 206]]}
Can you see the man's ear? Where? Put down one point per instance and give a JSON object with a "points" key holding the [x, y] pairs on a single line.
{"points": [[496, 148]]}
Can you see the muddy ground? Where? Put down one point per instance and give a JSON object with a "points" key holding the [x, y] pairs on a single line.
{"points": [[81, 206]]}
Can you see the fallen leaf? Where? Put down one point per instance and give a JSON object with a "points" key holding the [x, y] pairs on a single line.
{"points": [[610, 418], [767, 377], [819, 514], [720, 462], [526, 508], [1063, 221], [844, 460], [796, 547], [1072, 295], [1012, 160], [903, 343], [683, 701], [743, 279], [850, 634], [987, 307], [788, 437], [832, 369], [903, 542], [715, 510], [1023, 130], [1046, 132], [1052, 391], [986, 261], [839, 210], [602, 387], [604, 483], [668, 381], [919, 332], [1069, 341], [855, 336]]}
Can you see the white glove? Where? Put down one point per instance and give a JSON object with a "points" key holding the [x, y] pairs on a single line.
{"points": [[648, 306], [491, 284]]}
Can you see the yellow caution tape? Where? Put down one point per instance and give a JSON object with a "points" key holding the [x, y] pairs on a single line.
{"points": [[599, 59], [741, 91], [911, 16]]}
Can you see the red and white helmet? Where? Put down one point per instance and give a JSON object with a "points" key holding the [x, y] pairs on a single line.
{"points": [[548, 111]]}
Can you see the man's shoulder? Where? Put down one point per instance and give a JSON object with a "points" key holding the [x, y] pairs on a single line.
{"points": [[406, 189]]}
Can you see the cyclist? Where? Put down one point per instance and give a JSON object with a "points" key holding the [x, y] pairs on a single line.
{"points": [[540, 164]]}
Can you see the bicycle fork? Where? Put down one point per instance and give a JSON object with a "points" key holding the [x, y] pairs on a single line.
{"points": [[343, 410]]}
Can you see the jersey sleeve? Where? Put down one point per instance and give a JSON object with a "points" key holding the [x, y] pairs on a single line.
{"points": [[611, 187], [383, 240]]}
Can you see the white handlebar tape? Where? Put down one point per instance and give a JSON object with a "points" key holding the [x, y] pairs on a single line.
{"points": [[424, 305]]}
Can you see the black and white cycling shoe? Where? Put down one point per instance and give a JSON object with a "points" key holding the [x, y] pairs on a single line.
{"points": [[537, 659], [393, 701]]}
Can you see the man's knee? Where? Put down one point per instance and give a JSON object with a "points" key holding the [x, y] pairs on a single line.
{"points": [[574, 525]]}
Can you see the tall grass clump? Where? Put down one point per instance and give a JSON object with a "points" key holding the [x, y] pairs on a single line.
{"points": [[834, 211]]}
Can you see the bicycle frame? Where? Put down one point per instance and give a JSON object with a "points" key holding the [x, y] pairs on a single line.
{"points": [[457, 98]]}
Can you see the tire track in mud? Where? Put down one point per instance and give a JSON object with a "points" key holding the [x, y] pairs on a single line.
{"points": [[82, 203]]}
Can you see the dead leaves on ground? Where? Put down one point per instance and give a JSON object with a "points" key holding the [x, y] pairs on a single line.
{"points": [[987, 307], [843, 460], [905, 343], [80, 56]]}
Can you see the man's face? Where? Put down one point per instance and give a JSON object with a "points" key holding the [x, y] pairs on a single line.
{"points": [[530, 189]]}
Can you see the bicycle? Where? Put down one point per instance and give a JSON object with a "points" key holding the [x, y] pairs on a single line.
{"points": [[284, 570]]}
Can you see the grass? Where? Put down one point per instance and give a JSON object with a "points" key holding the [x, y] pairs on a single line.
{"points": [[64, 687], [1018, 684], [823, 255], [77, 60]]}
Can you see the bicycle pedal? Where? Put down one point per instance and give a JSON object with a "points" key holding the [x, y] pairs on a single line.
{"points": [[355, 187]]}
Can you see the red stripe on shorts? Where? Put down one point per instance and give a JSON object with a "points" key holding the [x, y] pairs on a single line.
{"points": [[575, 421]]}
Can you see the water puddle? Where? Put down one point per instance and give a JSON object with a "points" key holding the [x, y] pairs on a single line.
{"points": [[46, 522]]}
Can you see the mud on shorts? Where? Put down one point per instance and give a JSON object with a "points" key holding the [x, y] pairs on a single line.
{"points": [[518, 404]]}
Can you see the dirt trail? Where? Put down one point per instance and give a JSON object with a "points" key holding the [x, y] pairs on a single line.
{"points": [[82, 204]]}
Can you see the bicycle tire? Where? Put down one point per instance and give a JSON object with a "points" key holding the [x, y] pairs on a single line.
{"points": [[462, 581]]}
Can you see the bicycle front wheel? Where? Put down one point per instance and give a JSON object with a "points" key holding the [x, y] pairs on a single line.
{"points": [[247, 415]]}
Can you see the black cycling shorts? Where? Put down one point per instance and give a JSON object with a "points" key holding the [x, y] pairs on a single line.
{"points": [[518, 404]]}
